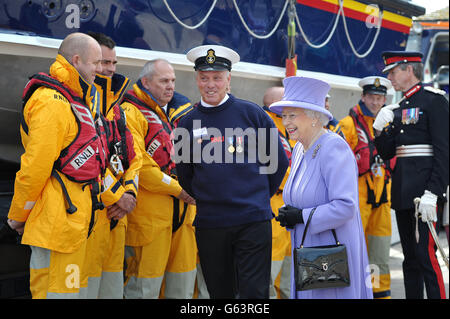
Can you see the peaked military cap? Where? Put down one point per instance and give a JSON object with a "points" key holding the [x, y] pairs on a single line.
{"points": [[212, 58], [375, 85], [394, 58]]}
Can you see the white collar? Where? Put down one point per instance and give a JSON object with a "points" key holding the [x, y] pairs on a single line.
{"points": [[209, 105]]}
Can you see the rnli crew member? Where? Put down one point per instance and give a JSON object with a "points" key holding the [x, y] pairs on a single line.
{"points": [[232, 225], [418, 136], [280, 275], [56, 206], [374, 181], [106, 245], [333, 124], [160, 240]]}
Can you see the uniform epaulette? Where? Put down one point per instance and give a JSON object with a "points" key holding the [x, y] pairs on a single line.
{"points": [[434, 90]]}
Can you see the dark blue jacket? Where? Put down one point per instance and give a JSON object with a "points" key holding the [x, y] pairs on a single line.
{"points": [[230, 187]]}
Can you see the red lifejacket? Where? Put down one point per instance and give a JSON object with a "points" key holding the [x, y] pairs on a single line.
{"points": [[365, 151], [120, 139], [287, 147], [158, 141], [283, 137], [84, 159]]}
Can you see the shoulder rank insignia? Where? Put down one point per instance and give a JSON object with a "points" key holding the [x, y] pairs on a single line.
{"points": [[434, 90]]}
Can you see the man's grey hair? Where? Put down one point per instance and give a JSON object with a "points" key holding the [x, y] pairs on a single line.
{"points": [[416, 67], [321, 117], [149, 68]]}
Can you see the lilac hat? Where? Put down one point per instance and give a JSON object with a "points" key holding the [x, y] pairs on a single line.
{"points": [[302, 92]]}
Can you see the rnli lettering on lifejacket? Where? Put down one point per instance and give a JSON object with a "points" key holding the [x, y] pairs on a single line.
{"points": [[85, 155], [153, 147], [158, 141]]}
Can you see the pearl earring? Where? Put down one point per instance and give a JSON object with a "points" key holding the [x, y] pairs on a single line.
{"points": [[314, 124]]}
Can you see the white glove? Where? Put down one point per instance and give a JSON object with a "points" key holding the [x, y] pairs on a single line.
{"points": [[427, 207], [385, 116]]}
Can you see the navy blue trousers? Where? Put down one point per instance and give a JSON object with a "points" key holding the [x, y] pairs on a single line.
{"points": [[236, 260], [420, 264]]}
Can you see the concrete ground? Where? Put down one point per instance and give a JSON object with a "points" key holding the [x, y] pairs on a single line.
{"points": [[396, 259]]}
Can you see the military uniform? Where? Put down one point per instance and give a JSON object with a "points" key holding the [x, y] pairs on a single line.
{"points": [[418, 136]]}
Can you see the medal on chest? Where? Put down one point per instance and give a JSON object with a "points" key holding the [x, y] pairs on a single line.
{"points": [[410, 115], [239, 147], [230, 144]]}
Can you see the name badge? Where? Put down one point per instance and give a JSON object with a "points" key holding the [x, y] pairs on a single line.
{"points": [[410, 116], [199, 132]]}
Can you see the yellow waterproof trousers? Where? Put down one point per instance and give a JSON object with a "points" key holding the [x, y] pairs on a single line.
{"points": [[280, 277], [376, 223], [103, 274], [170, 257], [55, 275], [111, 282]]}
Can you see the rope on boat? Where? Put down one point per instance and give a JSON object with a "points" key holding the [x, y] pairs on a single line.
{"points": [[188, 26], [339, 13]]}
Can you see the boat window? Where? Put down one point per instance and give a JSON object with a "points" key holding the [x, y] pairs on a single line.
{"points": [[438, 59]]}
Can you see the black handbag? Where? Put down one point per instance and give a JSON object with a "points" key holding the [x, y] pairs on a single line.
{"points": [[321, 266]]}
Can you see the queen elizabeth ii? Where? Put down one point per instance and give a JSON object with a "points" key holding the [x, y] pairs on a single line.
{"points": [[323, 176]]}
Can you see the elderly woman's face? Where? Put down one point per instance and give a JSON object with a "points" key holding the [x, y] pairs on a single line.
{"points": [[297, 123]]}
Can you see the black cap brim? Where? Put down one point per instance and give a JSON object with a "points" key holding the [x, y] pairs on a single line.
{"points": [[377, 92]]}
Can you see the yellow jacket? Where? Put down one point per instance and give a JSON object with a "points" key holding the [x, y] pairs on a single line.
{"points": [[111, 91], [334, 126], [154, 208], [38, 197], [279, 124], [374, 183]]}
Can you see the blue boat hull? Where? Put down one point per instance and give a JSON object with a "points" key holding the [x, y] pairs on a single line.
{"points": [[149, 25]]}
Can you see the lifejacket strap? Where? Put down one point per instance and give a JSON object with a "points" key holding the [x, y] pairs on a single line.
{"points": [[177, 221], [72, 209]]}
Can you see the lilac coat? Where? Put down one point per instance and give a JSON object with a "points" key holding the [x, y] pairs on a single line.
{"points": [[326, 177]]}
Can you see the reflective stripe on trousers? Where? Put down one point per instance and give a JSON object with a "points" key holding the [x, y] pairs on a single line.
{"points": [[55, 275]]}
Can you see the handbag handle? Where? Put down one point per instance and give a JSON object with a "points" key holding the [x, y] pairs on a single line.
{"points": [[307, 225]]}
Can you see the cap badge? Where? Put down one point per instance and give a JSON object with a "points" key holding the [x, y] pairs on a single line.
{"points": [[377, 82], [211, 57]]}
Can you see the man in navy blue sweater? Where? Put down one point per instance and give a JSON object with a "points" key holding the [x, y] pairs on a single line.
{"points": [[230, 159]]}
